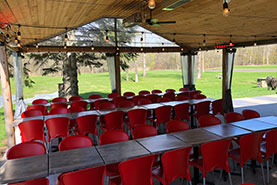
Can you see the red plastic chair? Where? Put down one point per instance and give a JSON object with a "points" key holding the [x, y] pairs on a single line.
{"points": [[184, 89], [156, 91], [163, 99], [170, 95], [98, 102], [198, 96], [114, 120], [60, 110], [137, 171], [176, 126], [192, 93], [76, 108], [129, 94], [136, 117], [32, 130], [181, 97], [153, 98], [269, 148], [142, 131], [181, 111], [87, 124], [143, 92], [40, 101], [41, 181], [202, 108], [106, 106], [170, 91], [163, 115], [26, 149], [59, 100], [144, 101], [218, 107], [31, 113], [95, 96], [249, 150], [59, 105], [57, 127], [175, 164], [231, 117], [135, 99], [75, 98], [119, 99], [214, 156], [113, 95], [80, 103], [42, 108], [126, 104], [89, 176], [250, 114], [208, 120], [74, 142]]}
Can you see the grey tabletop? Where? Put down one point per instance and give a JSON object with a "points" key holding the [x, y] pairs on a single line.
{"points": [[226, 130], [68, 115], [173, 103], [85, 113], [254, 125], [130, 108], [152, 106], [28, 168], [161, 143], [196, 136], [32, 118], [117, 152], [104, 112], [268, 119], [76, 159]]}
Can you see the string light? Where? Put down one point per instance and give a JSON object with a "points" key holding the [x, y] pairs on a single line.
{"points": [[18, 33], [141, 49], [163, 49], [230, 43], [15, 40], [151, 4], [199, 49], [36, 43], [182, 49], [204, 41], [65, 36], [92, 47], [141, 38], [107, 38], [255, 42], [64, 46], [226, 9]]}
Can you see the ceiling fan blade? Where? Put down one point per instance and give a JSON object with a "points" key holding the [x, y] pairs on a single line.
{"points": [[157, 25], [166, 22]]}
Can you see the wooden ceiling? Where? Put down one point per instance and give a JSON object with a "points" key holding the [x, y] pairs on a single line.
{"points": [[247, 19]]}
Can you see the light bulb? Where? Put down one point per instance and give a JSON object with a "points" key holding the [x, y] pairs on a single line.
{"points": [[15, 40], [226, 10], [92, 48], [107, 39], [151, 4], [65, 37], [19, 35]]}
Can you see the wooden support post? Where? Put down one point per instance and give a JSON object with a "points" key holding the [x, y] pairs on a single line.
{"points": [[224, 74], [18, 75], [189, 71], [117, 72], [6, 93]]}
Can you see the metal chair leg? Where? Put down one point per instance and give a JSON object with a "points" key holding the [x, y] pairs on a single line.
{"points": [[190, 183], [230, 179], [267, 169], [263, 173], [204, 181], [242, 180]]}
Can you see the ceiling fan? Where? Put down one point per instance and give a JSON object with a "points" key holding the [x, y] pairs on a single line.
{"points": [[155, 22]]}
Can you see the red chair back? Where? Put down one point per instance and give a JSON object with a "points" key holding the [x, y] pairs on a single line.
{"points": [[87, 124], [202, 108], [58, 105], [42, 108], [156, 91], [137, 171], [170, 95], [135, 99], [113, 95], [215, 155], [74, 142], [57, 127], [181, 111], [32, 130], [59, 99], [26, 149], [198, 96], [144, 92], [175, 164], [184, 89], [170, 91], [208, 120], [76, 109], [113, 136], [114, 120], [105, 106], [98, 102], [271, 146], [80, 103], [40, 101], [126, 104], [95, 96], [75, 98], [192, 93], [144, 101], [164, 99], [31, 113], [231, 117], [137, 117], [181, 97], [176, 126], [41, 181], [119, 99], [153, 98], [59, 110], [163, 114], [91, 176], [142, 131], [218, 107], [129, 94], [250, 114]]}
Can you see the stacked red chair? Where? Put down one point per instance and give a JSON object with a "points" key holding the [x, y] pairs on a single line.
{"points": [[176, 126]]}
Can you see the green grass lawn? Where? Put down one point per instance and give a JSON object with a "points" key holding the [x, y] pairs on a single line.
{"points": [[243, 85]]}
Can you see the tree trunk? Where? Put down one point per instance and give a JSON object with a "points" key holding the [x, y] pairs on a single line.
{"points": [[199, 62], [267, 54], [144, 65], [136, 71], [127, 75]]}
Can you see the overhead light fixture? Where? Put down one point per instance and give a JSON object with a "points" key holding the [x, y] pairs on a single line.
{"points": [[65, 36], [15, 40], [151, 4], [37, 45], [226, 9], [199, 49], [255, 42], [64, 46], [141, 38], [107, 37], [182, 49], [230, 43], [141, 49], [204, 40], [163, 49], [18, 33]]}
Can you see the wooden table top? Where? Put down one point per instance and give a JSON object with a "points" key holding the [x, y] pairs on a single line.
{"points": [[226, 130], [161, 143], [85, 113], [76, 159], [254, 125], [68, 115], [268, 119], [196, 136], [17, 170], [152, 106], [117, 152]]}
